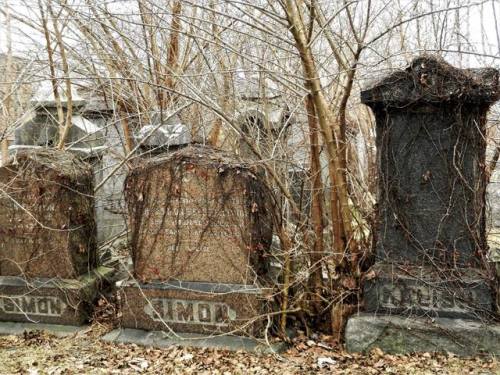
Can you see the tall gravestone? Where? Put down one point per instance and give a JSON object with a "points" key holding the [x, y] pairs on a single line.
{"points": [[200, 229], [47, 239], [430, 241]]}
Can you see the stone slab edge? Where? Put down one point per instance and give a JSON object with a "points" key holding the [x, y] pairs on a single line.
{"points": [[401, 335], [161, 340], [14, 328]]}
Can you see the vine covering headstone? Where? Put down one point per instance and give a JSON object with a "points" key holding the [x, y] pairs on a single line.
{"points": [[200, 229], [47, 238], [46, 215], [431, 241]]}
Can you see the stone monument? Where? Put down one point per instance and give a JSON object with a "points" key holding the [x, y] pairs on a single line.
{"points": [[48, 267], [431, 244], [200, 229], [94, 136]]}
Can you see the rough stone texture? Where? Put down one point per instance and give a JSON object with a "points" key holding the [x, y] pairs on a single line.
{"points": [[47, 224], [431, 148], [40, 127], [197, 215], [50, 301], [396, 334], [204, 308], [431, 236], [425, 292], [431, 80]]}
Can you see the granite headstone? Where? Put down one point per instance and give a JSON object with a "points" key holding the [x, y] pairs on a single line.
{"points": [[200, 228], [431, 242], [47, 238]]}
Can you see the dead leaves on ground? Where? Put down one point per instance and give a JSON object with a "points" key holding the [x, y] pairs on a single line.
{"points": [[37, 353]]}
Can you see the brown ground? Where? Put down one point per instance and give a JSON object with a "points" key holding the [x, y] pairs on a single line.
{"points": [[39, 353]]}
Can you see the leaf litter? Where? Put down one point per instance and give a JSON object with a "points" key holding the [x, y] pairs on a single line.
{"points": [[38, 353]]}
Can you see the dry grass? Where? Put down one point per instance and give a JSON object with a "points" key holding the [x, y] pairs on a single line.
{"points": [[40, 353]]}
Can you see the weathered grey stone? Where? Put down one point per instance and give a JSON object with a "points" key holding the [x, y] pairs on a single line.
{"points": [[431, 122], [397, 334], [162, 340], [40, 128], [164, 136], [15, 328]]}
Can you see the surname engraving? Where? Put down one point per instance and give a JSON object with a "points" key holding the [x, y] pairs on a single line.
{"points": [[32, 305], [189, 311], [411, 296]]}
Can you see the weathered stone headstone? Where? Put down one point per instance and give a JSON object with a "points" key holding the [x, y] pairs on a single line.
{"points": [[95, 137], [200, 229], [47, 238], [431, 243]]}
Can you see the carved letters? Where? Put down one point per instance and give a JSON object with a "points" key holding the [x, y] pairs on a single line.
{"points": [[424, 297], [190, 311], [32, 305]]}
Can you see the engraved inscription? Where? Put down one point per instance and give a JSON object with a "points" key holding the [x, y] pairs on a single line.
{"points": [[32, 305], [189, 311], [420, 296]]}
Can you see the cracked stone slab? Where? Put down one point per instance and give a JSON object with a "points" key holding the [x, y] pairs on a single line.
{"points": [[400, 335]]}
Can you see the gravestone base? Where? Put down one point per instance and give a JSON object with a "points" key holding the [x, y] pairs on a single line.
{"points": [[19, 328], [50, 301], [194, 307], [400, 335], [421, 291], [160, 339]]}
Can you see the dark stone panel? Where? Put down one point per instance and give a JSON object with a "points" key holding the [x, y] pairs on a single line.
{"points": [[421, 291]]}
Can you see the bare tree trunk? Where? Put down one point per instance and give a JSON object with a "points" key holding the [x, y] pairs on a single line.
{"points": [[64, 132], [317, 204], [173, 50], [129, 142], [50, 56], [340, 212], [4, 144], [213, 136]]}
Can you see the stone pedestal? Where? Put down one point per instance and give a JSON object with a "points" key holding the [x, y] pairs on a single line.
{"points": [[421, 291], [51, 301], [398, 334], [200, 230], [194, 307], [431, 244], [47, 239]]}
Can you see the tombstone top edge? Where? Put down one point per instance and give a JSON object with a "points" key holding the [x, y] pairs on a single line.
{"points": [[194, 154], [63, 162], [431, 80]]}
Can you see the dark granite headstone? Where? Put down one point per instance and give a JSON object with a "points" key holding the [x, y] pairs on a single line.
{"points": [[47, 238], [196, 216], [431, 242]]}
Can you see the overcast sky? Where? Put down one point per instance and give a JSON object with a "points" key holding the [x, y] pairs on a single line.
{"points": [[483, 23]]}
